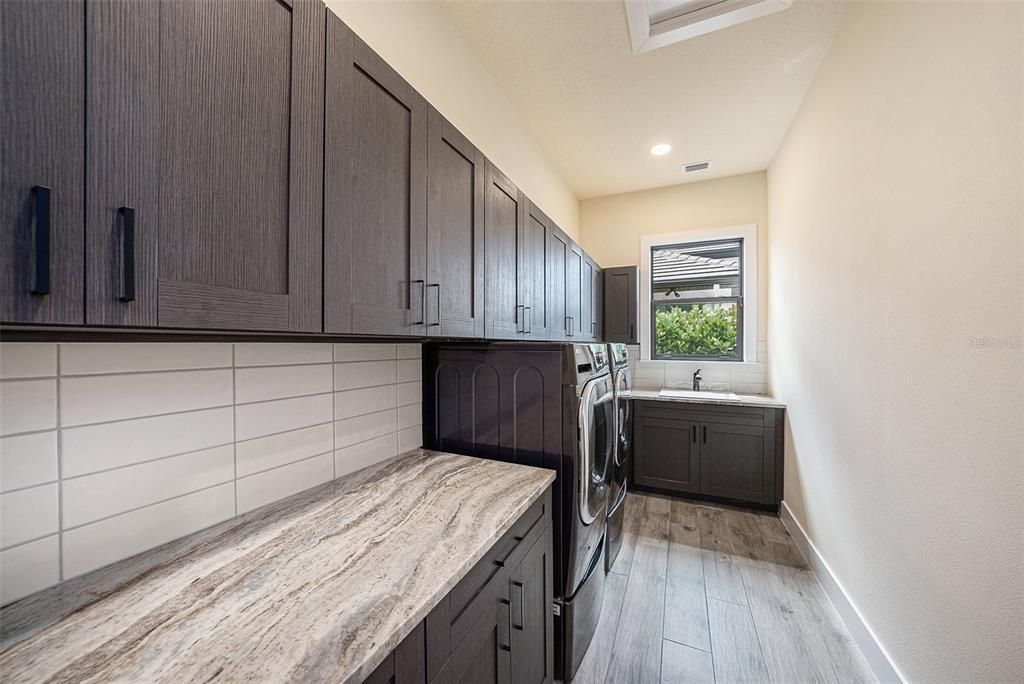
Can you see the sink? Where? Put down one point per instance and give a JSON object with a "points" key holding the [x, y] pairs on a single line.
{"points": [[690, 394]]}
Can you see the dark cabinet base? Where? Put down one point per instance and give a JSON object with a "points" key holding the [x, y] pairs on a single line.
{"points": [[725, 454]]}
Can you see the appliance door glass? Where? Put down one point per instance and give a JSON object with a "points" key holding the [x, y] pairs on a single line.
{"points": [[597, 446]]}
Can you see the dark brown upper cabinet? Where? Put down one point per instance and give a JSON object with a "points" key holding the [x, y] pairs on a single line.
{"points": [[596, 301], [621, 302], [587, 299], [575, 259], [204, 167], [559, 249], [506, 216], [42, 161], [375, 203], [536, 243], [456, 180]]}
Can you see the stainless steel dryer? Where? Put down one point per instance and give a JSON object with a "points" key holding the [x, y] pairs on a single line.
{"points": [[550, 405], [619, 473]]}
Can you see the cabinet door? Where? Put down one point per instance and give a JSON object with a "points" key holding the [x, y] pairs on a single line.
{"points": [[666, 454], [535, 272], [620, 304], [533, 659], [455, 232], [597, 305], [42, 161], [375, 209], [587, 331], [574, 293], [206, 143], [484, 656], [557, 274], [732, 461], [506, 214]]}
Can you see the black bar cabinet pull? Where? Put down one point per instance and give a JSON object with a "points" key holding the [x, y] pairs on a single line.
{"points": [[504, 626], [42, 240], [518, 588], [423, 302], [438, 321], [631, 333], [705, 434], [528, 321], [127, 215], [694, 434]]}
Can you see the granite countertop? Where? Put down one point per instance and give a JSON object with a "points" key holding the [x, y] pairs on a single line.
{"points": [[757, 400], [317, 587]]}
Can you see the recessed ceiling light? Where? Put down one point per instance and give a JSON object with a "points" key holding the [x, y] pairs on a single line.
{"points": [[661, 149]]}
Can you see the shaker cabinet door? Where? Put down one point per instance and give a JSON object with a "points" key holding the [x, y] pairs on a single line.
{"points": [[557, 274], [456, 179], [574, 293], [506, 213], [666, 454], [535, 271], [375, 204], [732, 462], [620, 304], [532, 623], [42, 161], [224, 192]]}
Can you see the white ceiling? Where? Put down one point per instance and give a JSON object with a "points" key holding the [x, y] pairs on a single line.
{"points": [[597, 109]]}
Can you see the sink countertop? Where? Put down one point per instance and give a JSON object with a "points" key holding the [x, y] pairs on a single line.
{"points": [[318, 587], [757, 400]]}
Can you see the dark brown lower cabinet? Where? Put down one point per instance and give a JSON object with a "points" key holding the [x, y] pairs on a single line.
{"points": [[496, 626], [713, 451]]}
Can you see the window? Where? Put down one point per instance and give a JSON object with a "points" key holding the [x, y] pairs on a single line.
{"points": [[697, 300]]}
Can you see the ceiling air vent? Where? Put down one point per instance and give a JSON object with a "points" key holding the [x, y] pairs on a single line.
{"points": [[696, 166], [657, 23]]}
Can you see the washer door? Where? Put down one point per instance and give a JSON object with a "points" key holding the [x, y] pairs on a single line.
{"points": [[596, 448]]}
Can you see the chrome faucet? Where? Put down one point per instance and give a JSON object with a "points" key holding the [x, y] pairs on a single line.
{"points": [[696, 380]]}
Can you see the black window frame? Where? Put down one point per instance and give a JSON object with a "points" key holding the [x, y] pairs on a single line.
{"points": [[738, 300]]}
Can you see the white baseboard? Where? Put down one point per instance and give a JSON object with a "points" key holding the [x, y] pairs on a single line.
{"points": [[876, 655]]}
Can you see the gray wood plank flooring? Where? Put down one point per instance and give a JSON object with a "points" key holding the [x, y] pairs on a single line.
{"points": [[701, 593]]}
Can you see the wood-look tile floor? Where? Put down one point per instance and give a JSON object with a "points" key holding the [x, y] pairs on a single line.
{"points": [[701, 593]]}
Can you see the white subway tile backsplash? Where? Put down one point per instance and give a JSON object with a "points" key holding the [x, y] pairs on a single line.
{"points": [[123, 357], [365, 352], [410, 393], [358, 456], [263, 488], [28, 460], [110, 445], [94, 399], [107, 450], [410, 370], [410, 351], [277, 354], [256, 455], [362, 428], [28, 514], [364, 374], [361, 401], [410, 415], [101, 543], [29, 568], [27, 360], [410, 438], [266, 418], [27, 405], [279, 382], [92, 497]]}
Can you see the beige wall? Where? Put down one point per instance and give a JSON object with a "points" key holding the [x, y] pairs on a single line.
{"points": [[897, 212], [611, 226], [421, 43]]}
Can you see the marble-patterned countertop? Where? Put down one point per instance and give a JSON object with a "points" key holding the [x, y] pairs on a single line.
{"points": [[758, 400], [318, 587]]}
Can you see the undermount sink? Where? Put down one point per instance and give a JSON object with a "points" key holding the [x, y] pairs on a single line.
{"points": [[690, 394]]}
